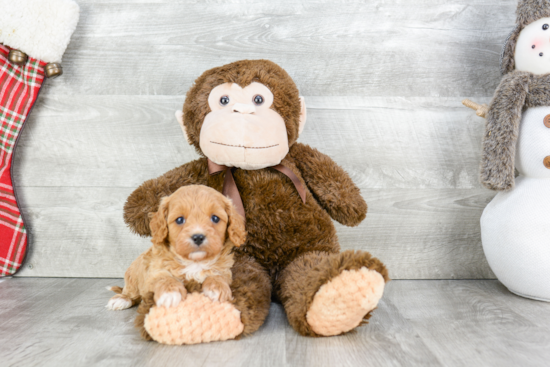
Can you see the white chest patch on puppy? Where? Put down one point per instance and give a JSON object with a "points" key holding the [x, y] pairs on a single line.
{"points": [[196, 270]]}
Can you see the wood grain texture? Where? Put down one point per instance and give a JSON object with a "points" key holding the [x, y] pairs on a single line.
{"points": [[383, 82], [415, 161], [451, 317], [63, 322], [121, 141], [368, 48], [423, 234]]}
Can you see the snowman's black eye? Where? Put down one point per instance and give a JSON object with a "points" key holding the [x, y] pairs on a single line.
{"points": [[533, 46], [180, 220], [258, 99], [224, 100], [541, 54], [545, 27]]}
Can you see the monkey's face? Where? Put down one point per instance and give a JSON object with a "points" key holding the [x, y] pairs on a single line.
{"points": [[533, 48], [243, 130]]}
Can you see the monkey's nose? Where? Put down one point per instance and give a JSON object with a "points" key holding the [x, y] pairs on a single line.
{"points": [[198, 238], [244, 108]]}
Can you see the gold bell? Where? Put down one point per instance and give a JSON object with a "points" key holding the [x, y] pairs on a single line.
{"points": [[17, 57], [53, 70]]}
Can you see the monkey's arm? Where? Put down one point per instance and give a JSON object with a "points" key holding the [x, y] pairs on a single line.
{"points": [[146, 198], [502, 130], [330, 185]]}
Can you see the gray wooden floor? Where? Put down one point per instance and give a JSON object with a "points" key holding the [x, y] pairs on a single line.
{"points": [[63, 322]]}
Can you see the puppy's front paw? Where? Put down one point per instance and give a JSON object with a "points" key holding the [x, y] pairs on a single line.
{"points": [[169, 299], [217, 290], [214, 295], [169, 293], [119, 302]]}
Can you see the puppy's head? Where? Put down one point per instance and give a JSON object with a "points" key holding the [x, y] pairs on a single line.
{"points": [[196, 222]]}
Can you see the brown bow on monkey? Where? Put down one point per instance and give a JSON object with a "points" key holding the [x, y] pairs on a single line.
{"points": [[230, 188], [248, 115]]}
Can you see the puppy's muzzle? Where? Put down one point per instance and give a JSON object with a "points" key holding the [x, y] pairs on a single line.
{"points": [[198, 238]]}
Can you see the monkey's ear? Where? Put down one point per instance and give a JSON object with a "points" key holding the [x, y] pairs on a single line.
{"points": [[303, 115], [179, 117]]}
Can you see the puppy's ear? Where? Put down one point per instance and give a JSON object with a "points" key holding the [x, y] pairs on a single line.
{"points": [[235, 226], [158, 223]]}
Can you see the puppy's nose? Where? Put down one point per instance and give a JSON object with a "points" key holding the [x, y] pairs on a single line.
{"points": [[198, 239]]}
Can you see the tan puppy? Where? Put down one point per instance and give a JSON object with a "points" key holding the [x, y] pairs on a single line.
{"points": [[193, 231]]}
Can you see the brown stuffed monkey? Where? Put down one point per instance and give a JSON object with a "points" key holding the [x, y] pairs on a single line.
{"points": [[244, 119]]}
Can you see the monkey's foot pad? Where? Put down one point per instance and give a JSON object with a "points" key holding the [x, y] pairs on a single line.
{"points": [[341, 304], [196, 320]]}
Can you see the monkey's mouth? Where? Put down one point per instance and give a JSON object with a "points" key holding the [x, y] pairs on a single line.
{"points": [[242, 146]]}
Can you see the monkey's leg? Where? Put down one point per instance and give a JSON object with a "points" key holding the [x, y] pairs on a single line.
{"points": [[251, 289], [199, 320], [329, 294]]}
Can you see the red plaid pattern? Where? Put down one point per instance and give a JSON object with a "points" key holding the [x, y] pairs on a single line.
{"points": [[19, 87]]}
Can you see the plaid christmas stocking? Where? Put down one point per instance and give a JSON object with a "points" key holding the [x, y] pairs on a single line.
{"points": [[33, 36], [20, 86]]}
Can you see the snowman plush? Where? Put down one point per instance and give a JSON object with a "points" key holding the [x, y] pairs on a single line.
{"points": [[515, 226]]}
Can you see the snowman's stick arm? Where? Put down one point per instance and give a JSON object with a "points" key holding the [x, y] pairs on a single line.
{"points": [[481, 109]]}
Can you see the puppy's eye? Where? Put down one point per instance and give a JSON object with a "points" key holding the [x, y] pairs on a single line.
{"points": [[545, 27], [258, 100], [224, 100], [215, 219], [180, 220]]}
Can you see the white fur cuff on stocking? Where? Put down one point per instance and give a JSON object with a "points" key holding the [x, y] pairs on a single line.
{"points": [[40, 28]]}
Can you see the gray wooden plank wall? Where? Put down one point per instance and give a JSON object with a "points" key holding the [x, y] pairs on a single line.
{"points": [[383, 81]]}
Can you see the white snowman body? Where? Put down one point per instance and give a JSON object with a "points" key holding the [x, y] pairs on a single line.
{"points": [[515, 226]]}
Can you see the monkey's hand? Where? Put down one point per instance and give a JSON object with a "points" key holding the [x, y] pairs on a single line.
{"points": [[330, 184], [146, 198]]}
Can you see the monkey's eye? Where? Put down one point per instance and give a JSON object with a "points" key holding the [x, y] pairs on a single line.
{"points": [[180, 220], [215, 219], [545, 27], [224, 100], [258, 99]]}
